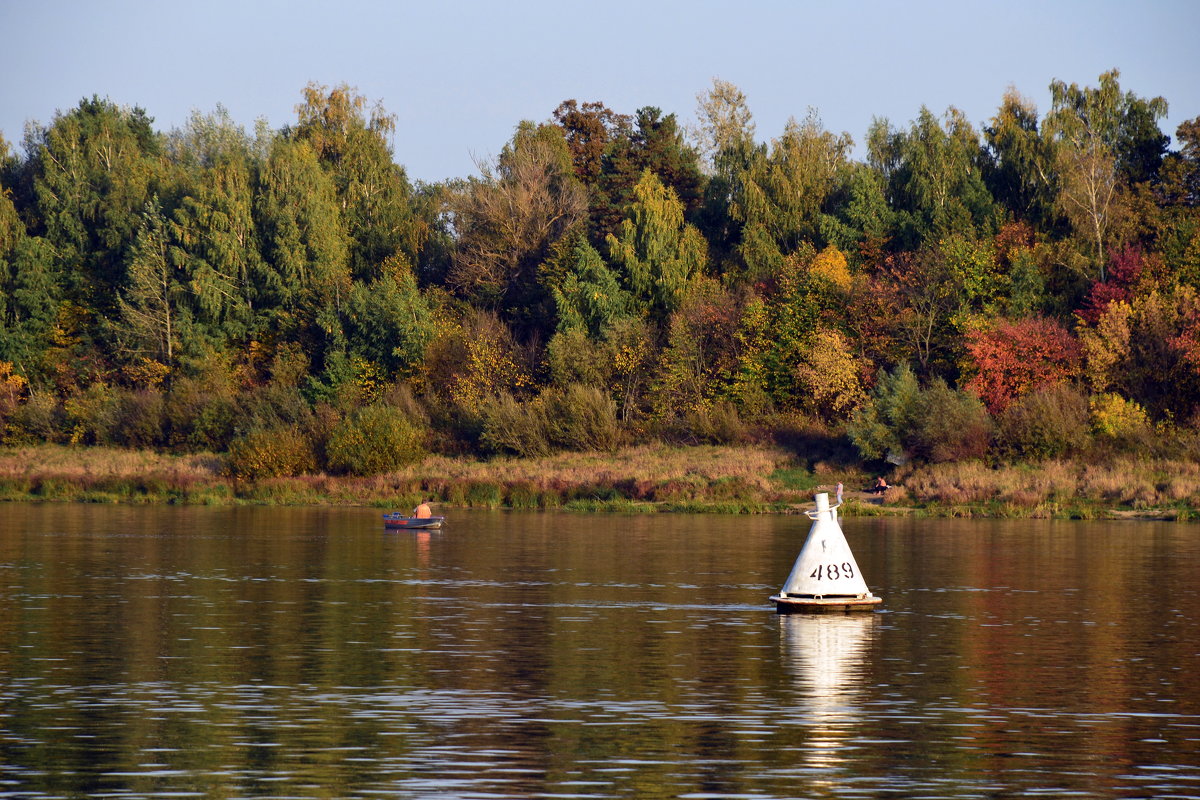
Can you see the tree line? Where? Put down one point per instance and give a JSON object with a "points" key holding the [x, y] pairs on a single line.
{"points": [[290, 297]]}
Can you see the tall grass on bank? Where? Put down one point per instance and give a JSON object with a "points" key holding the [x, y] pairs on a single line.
{"points": [[102, 474], [654, 476], [722, 479], [1057, 487]]}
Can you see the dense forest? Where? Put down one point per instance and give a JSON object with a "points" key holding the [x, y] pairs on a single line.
{"points": [[1023, 290]]}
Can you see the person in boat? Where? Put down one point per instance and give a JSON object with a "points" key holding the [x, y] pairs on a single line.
{"points": [[422, 511]]}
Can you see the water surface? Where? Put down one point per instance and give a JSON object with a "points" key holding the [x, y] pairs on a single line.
{"points": [[304, 653]]}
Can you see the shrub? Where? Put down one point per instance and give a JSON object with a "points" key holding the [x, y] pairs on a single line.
{"points": [[1119, 420], [139, 418], [455, 428], [878, 427], [482, 494], [1048, 423], [574, 358], [904, 421], [717, 424], [523, 495], [400, 396], [92, 413], [513, 427], [200, 416], [582, 418], [374, 439], [951, 425], [39, 418], [280, 452]]}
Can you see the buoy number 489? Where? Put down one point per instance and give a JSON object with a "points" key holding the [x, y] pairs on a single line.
{"points": [[833, 571]]}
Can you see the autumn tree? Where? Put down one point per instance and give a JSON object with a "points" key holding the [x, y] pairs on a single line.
{"points": [[376, 200], [657, 251], [1125, 268], [486, 361], [508, 218], [1104, 140], [936, 178], [1140, 350], [928, 298], [829, 381], [1011, 358], [1020, 171], [874, 320], [777, 331], [701, 350], [588, 130], [149, 305], [1018, 258], [94, 168], [305, 249]]}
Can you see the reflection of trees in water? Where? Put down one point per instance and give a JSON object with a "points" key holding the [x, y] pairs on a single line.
{"points": [[827, 655]]}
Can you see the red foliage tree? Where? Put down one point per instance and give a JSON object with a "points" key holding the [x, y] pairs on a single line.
{"points": [[1015, 357], [1012, 237], [872, 318], [1124, 268], [1187, 342]]}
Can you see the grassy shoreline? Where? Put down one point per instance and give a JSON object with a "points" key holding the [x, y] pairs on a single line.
{"points": [[647, 479]]}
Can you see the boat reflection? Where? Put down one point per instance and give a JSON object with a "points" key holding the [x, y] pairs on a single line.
{"points": [[827, 656]]}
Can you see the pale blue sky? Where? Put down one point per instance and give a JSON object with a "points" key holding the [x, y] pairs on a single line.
{"points": [[460, 75]]}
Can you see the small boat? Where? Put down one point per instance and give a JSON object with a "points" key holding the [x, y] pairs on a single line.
{"points": [[397, 521]]}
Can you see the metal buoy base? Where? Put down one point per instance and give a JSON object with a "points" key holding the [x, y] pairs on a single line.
{"points": [[817, 605]]}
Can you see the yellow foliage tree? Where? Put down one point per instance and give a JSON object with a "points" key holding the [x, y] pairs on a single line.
{"points": [[828, 377], [830, 265], [1106, 346], [12, 389], [489, 366], [1115, 417]]}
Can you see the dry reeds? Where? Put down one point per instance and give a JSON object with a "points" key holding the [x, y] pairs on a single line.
{"points": [[1058, 486], [109, 474], [721, 478]]}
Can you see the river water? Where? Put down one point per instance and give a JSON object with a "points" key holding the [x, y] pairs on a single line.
{"points": [[307, 653]]}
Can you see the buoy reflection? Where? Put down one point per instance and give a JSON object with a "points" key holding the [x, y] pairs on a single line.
{"points": [[827, 656]]}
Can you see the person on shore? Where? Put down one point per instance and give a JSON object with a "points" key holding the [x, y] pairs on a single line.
{"points": [[839, 492], [881, 486], [422, 511]]}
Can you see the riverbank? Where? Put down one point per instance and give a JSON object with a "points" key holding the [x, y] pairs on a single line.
{"points": [[648, 479]]}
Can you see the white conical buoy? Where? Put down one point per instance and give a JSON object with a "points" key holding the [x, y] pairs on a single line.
{"points": [[825, 576]]}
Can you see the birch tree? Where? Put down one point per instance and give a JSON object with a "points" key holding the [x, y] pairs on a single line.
{"points": [[148, 305]]}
